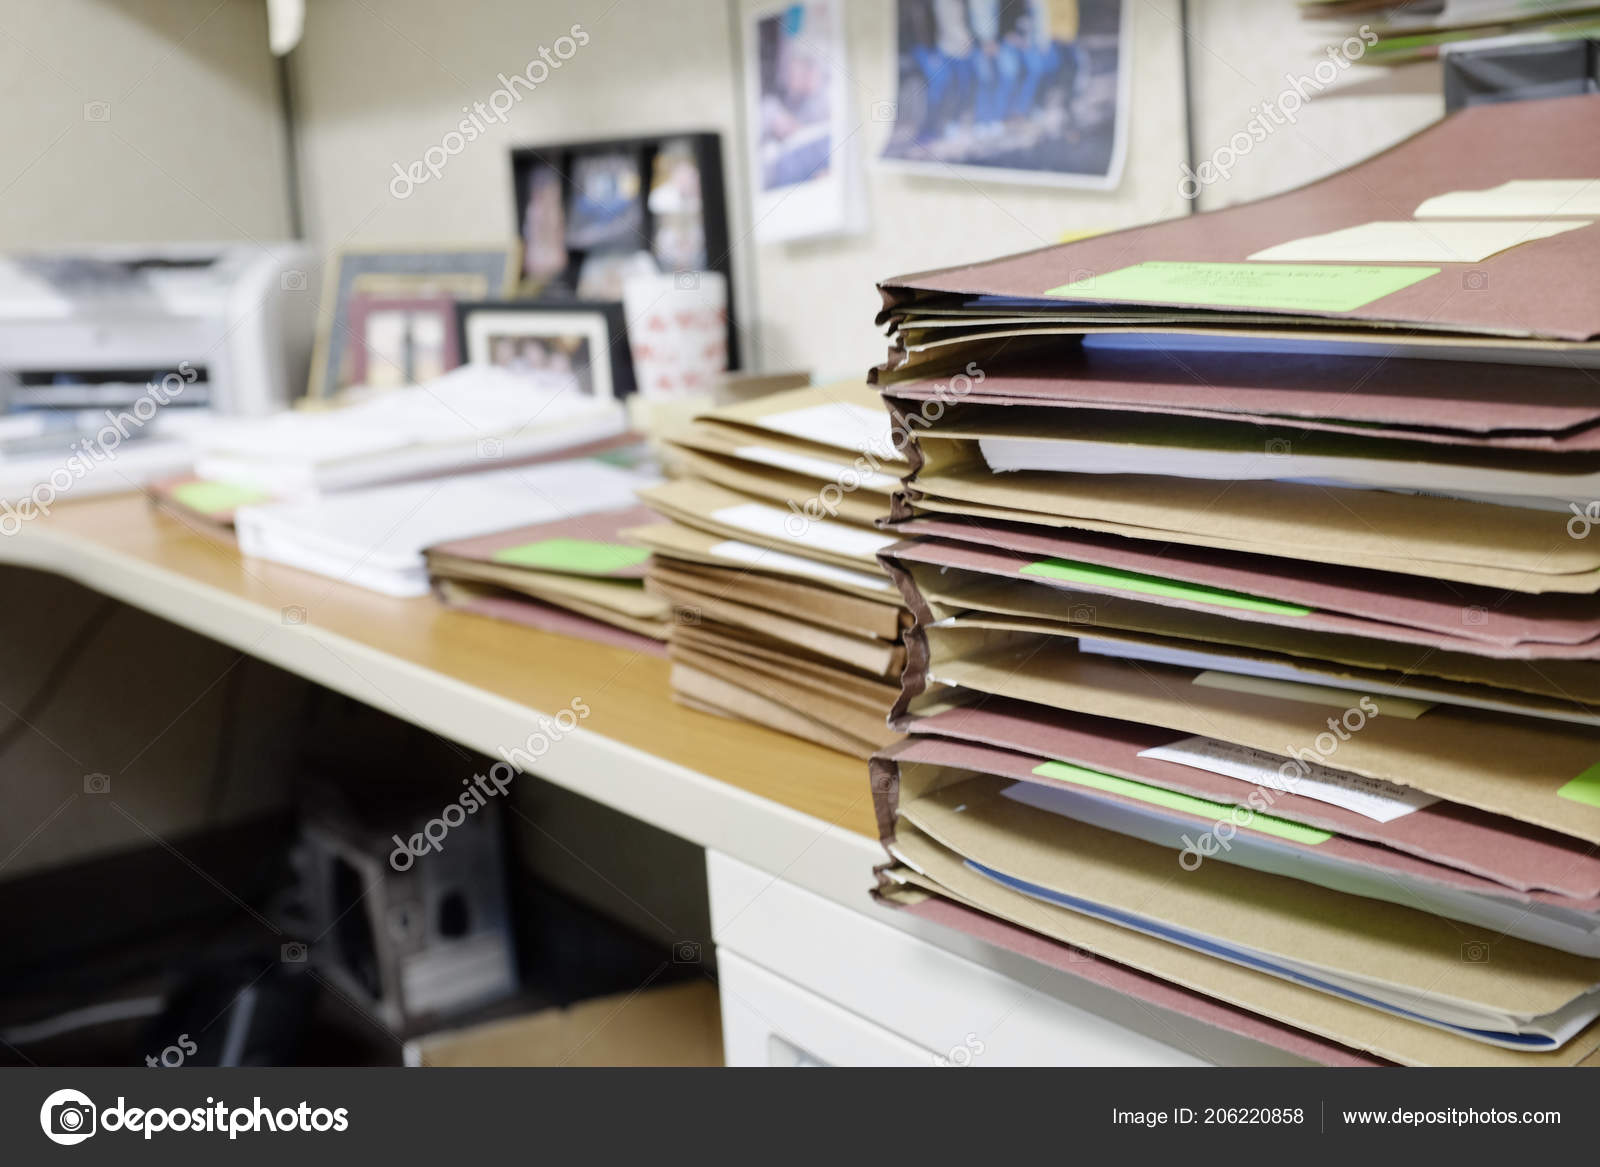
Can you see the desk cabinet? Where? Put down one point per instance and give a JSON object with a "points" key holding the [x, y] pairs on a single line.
{"points": [[809, 981]]}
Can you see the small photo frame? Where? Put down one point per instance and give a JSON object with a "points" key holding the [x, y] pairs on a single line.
{"points": [[412, 276], [805, 176], [587, 339], [397, 341]]}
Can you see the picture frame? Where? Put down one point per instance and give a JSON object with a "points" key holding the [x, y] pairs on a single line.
{"points": [[1030, 100], [464, 272], [670, 165], [589, 336], [402, 340], [805, 173]]}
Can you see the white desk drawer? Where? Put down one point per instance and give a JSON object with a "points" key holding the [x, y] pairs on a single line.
{"points": [[768, 1021], [932, 998]]}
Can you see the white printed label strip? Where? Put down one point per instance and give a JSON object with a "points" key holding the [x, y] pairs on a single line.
{"points": [[1372, 798]]}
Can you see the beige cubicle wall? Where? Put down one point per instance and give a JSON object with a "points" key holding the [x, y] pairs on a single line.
{"points": [[139, 120]]}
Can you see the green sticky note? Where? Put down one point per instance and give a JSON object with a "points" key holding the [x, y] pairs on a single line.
{"points": [[1585, 787], [1171, 800], [579, 556], [1153, 585], [1310, 287], [211, 498]]}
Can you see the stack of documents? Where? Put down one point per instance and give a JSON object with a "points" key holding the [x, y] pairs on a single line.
{"points": [[580, 576], [783, 613], [472, 418], [377, 538], [1254, 573]]}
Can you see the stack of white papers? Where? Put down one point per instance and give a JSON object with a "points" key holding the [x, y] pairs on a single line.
{"points": [[473, 417], [375, 538]]}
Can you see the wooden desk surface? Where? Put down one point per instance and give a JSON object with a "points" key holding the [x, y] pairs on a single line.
{"points": [[628, 693]]}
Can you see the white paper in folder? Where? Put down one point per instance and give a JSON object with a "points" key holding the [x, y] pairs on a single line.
{"points": [[841, 424], [450, 425], [1371, 797], [795, 528], [1534, 198], [375, 538]]}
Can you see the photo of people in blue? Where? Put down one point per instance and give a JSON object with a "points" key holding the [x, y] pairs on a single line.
{"points": [[1025, 85], [796, 136]]}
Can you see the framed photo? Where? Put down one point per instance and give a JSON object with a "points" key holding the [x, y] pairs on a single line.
{"points": [[805, 176], [416, 275], [1031, 93], [593, 214], [397, 341], [587, 341]]}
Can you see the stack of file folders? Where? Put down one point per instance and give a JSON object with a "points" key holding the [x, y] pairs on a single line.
{"points": [[579, 576], [1254, 562], [783, 614]]}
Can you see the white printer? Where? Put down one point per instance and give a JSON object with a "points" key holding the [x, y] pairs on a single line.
{"points": [[90, 328]]}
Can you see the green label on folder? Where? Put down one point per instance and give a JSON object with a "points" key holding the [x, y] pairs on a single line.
{"points": [[1310, 287], [1585, 787], [1153, 585], [579, 556], [212, 498], [1172, 800]]}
